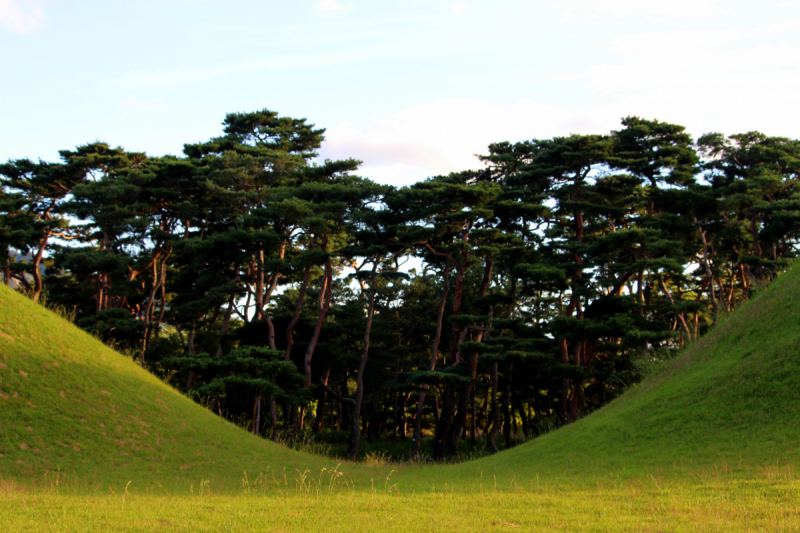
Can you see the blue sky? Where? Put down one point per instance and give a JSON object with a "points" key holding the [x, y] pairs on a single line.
{"points": [[412, 88]]}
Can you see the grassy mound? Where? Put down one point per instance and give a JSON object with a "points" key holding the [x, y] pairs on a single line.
{"points": [[70, 404], [731, 401]]}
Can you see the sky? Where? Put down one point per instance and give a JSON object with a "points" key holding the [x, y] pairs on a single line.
{"points": [[411, 88]]}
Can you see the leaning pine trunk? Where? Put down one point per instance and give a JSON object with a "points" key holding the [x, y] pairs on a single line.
{"points": [[224, 329], [319, 417], [679, 316], [273, 408], [756, 244], [190, 348], [448, 405], [287, 356], [506, 399], [415, 440], [266, 298], [324, 305], [466, 391], [256, 413], [495, 414], [158, 284], [355, 434], [7, 269], [273, 418], [37, 275], [564, 396], [707, 264]]}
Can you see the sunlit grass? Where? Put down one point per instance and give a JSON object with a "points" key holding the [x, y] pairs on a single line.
{"points": [[769, 502], [709, 442]]}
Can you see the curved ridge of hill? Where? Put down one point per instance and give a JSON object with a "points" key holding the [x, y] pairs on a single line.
{"points": [[730, 401], [68, 402]]}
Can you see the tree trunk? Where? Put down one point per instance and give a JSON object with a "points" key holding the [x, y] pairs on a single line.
{"points": [[355, 436], [265, 300], [257, 413], [318, 419], [395, 414], [707, 264], [506, 399], [273, 418], [346, 418], [577, 383], [473, 420], [486, 414], [375, 423], [415, 441], [564, 396], [190, 381], [723, 290], [224, 329], [324, 305], [7, 269], [756, 244], [444, 422], [495, 414], [679, 316], [575, 304], [36, 260], [404, 417], [258, 288], [163, 298], [466, 391], [515, 401], [287, 356], [158, 282], [745, 285], [449, 399]]}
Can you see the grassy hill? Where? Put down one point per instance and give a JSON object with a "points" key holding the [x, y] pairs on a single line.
{"points": [[68, 403], [730, 401]]}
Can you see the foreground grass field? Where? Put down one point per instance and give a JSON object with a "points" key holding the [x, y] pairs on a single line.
{"points": [[709, 442], [714, 502]]}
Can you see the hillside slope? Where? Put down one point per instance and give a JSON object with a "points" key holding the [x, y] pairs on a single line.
{"points": [[731, 401], [68, 402]]}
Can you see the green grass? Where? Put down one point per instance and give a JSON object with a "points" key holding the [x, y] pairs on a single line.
{"points": [[709, 442], [718, 503], [68, 403]]}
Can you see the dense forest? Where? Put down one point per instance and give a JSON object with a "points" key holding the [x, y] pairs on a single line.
{"points": [[299, 296]]}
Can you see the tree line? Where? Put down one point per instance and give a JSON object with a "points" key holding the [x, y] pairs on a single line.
{"points": [[301, 296]]}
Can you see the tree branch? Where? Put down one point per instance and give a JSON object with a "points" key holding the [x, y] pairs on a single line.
{"points": [[335, 394]]}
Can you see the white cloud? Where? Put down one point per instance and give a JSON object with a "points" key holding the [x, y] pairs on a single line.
{"points": [[728, 80], [444, 136], [21, 16], [323, 7], [647, 9]]}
